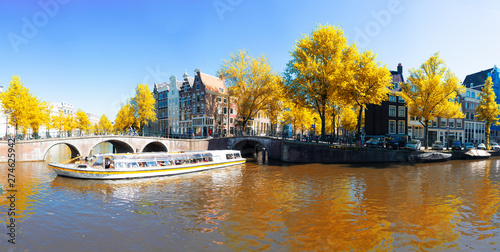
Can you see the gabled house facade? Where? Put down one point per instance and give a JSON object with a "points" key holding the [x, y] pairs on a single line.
{"points": [[474, 82], [391, 117]]}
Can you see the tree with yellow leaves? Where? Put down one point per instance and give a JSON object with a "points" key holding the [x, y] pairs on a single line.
{"points": [[488, 110], [104, 126], [39, 114], [82, 121], [370, 83], [125, 118], [57, 122], [69, 124], [251, 83], [143, 105], [431, 91], [317, 72], [23, 109]]}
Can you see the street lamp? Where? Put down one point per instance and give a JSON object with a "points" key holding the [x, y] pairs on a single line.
{"points": [[314, 127], [333, 126]]}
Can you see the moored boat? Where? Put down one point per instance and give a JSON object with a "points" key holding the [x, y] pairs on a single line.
{"points": [[127, 166], [433, 156], [477, 154]]}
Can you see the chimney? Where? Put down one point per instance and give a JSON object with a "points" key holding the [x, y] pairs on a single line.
{"points": [[400, 68]]}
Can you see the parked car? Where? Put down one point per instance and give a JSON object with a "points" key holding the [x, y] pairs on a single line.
{"points": [[395, 142], [375, 142], [457, 145], [413, 145], [469, 146], [495, 146], [481, 146], [438, 145]]}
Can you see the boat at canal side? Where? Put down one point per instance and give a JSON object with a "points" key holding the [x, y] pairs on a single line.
{"points": [[128, 166], [477, 154], [432, 156]]}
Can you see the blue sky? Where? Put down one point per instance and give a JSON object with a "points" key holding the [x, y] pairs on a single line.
{"points": [[93, 54]]}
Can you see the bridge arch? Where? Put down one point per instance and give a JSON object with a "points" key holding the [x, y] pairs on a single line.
{"points": [[74, 150], [249, 147], [118, 146], [155, 147]]}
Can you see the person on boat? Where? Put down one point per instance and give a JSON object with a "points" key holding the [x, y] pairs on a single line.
{"points": [[108, 164]]}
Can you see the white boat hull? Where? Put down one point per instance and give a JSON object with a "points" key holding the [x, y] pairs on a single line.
{"points": [[161, 164], [92, 173]]}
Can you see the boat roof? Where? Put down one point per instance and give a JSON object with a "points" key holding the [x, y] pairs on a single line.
{"points": [[167, 155]]}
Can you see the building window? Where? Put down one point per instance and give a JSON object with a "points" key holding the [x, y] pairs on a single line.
{"points": [[401, 127], [451, 123], [400, 99], [401, 111], [392, 110], [443, 123], [459, 123], [473, 95], [434, 123], [396, 85], [392, 127], [392, 98], [467, 105]]}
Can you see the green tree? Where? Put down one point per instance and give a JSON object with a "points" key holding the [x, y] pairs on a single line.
{"points": [[251, 84], [431, 91], [143, 104], [318, 71], [488, 110]]}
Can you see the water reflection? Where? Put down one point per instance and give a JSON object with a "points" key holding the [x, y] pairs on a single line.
{"points": [[444, 206]]}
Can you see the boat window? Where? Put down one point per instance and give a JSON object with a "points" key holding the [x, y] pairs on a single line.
{"points": [[229, 156], [132, 164], [121, 165], [98, 162], [142, 164], [236, 155], [152, 164]]}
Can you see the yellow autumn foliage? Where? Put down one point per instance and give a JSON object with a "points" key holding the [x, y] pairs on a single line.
{"points": [[431, 91], [488, 110]]}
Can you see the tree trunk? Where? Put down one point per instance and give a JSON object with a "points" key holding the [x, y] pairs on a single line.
{"points": [[426, 134], [487, 130], [358, 131]]}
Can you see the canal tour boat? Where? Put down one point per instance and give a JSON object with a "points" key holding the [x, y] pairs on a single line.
{"points": [[127, 166]]}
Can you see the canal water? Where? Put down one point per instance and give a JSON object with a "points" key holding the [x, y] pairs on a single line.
{"points": [[260, 207]]}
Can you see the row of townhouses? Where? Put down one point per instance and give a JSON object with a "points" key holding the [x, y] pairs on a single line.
{"points": [[392, 118], [199, 107]]}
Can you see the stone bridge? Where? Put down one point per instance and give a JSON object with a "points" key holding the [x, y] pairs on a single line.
{"points": [[249, 145], [272, 148], [36, 150]]}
